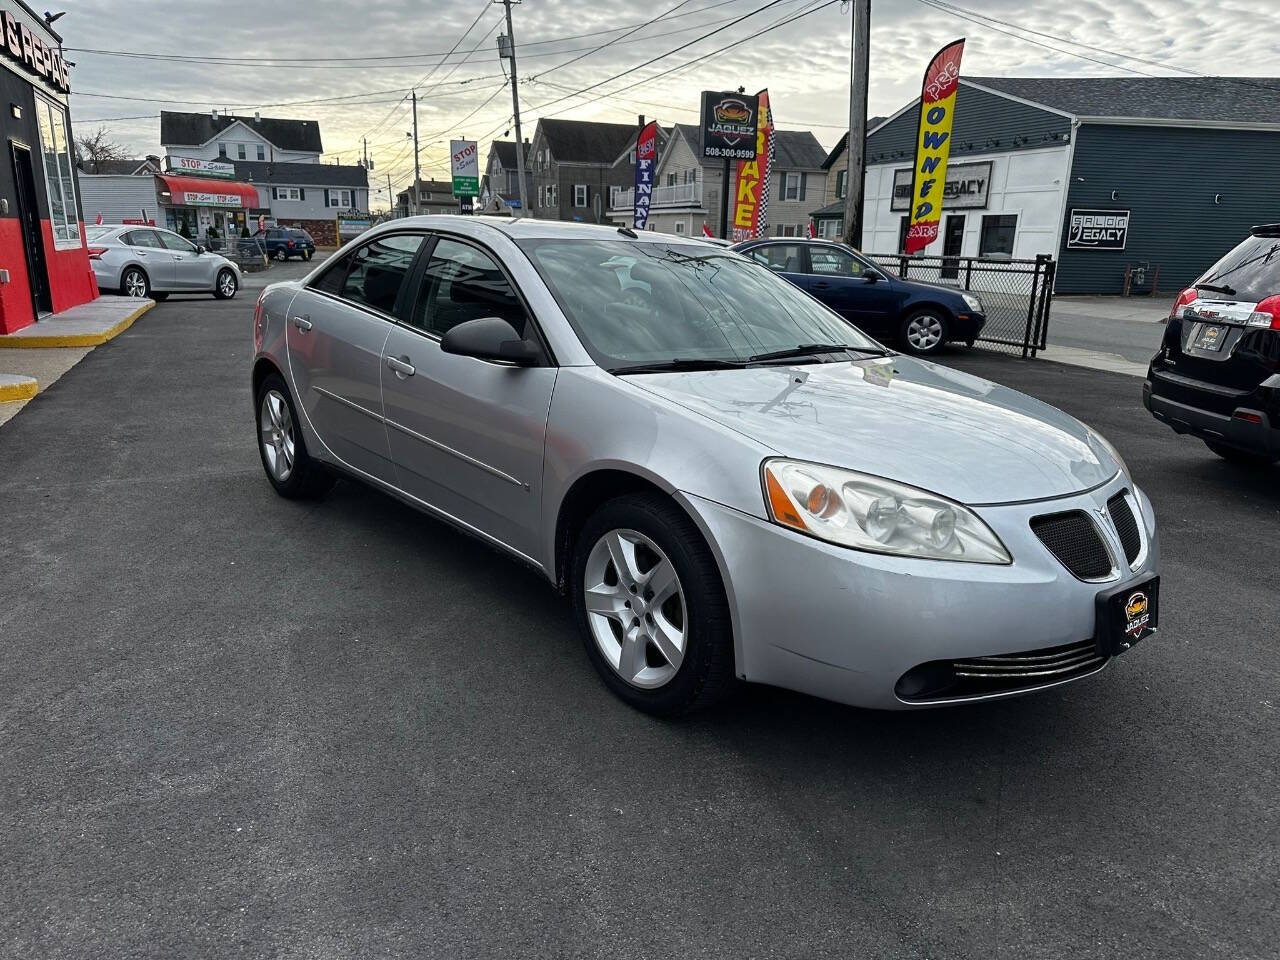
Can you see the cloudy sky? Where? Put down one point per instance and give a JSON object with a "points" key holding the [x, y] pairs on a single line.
{"points": [[350, 65]]}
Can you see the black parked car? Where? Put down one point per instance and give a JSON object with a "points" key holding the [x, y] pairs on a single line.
{"points": [[281, 243], [920, 316], [1217, 375]]}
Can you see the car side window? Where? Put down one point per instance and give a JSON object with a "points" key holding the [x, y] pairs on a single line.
{"points": [[780, 257], [378, 270], [143, 238], [176, 243], [831, 262], [463, 283]]}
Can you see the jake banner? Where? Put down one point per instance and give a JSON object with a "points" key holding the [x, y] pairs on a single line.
{"points": [[751, 199], [933, 146]]}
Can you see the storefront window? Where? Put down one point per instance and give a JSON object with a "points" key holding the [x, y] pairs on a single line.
{"points": [[997, 235], [52, 119]]}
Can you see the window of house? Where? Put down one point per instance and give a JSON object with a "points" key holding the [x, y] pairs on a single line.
{"points": [[551, 195], [679, 226], [462, 283], [262, 152], [997, 235], [378, 270], [829, 229], [222, 149], [58, 184], [631, 157], [792, 186], [287, 193], [842, 183], [671, 179], [579, 194], [241, 153], [339, 198], [790, 230]]}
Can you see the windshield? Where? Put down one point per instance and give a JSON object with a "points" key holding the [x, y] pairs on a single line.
{"points": [[641, 303], [95, 232], [1252, 270]]}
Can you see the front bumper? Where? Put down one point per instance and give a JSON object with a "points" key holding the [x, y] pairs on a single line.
{"points": [[1260, 435], [847, 625]]}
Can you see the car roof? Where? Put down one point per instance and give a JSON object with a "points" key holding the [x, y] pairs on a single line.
{"points": [[527, 228]]}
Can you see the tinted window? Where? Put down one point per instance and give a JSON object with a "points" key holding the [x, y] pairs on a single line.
{"points": [[834, 262], [782, 257], [378, 270], [997, 236], [143, 238], [176, 243], [462, 283], [1252, 270], [334, 275], [94, 232]]}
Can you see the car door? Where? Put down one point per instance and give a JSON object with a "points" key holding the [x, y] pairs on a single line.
{"points": [[845, 284], [467, 435], [154, 256], [191, 269], [335, 332], [784, 259]]}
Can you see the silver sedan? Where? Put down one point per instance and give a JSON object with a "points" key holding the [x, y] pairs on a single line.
{"points": [[153, 262], [727, 479]]}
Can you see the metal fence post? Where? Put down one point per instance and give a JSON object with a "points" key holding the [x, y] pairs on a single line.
{"points": [[1031, 309], [968, 274], [1046, 301]]}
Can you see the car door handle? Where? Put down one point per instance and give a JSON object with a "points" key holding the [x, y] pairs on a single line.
{"points": [[402, 367], [302, 323], [139, 253]]}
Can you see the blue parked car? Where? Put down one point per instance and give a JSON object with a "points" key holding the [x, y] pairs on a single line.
{"points": [[282, 243], [920, 316]]}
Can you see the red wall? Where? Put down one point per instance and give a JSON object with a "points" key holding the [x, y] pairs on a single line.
{"points": [[71, 280]]}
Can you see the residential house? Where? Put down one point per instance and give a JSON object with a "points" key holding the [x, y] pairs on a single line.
{"points": [[500, 185], [575, 163], [148, 166], [223, 136], [829, 218], [688, 191], [307, 195], [434, 196]]}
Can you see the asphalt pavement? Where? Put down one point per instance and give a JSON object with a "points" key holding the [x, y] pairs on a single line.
{"points": [[235, 726]]}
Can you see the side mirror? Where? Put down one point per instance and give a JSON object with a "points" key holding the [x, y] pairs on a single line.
{"points": [[490, 338], [200, 250], [872, 276]]}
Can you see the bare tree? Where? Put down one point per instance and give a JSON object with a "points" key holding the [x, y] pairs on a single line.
{"points": [[96, 147]]}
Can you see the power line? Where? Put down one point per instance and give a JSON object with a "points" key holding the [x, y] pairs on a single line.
{"points": [[661, 16]]}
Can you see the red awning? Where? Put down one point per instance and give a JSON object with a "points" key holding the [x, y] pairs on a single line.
{"points": [[208, 192]]}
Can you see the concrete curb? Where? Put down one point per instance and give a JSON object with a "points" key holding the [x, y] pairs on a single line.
{"points": [[14, 388], [45, 341]]}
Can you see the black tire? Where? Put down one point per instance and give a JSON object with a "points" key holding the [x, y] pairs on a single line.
{"points": [[308, 478], [136, 278], [281, 256], [159, 297], [1240, 458], [931, 316], [220, 279], [705, 675]]}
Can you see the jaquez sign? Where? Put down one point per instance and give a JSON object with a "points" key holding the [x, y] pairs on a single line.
{"points": [[966, 187], [1097, 229], [465, 167], [26, 49], [729, 125]]}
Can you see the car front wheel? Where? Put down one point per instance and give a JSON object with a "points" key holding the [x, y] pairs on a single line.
{"points": [[226, 285], [281, 255], [651, 606], [924, 332]]}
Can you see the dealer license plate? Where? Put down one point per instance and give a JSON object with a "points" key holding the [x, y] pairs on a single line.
{"points": [[1126, 616], [1210, 337]]}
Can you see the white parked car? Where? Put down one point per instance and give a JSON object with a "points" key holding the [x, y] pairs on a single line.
{"points": [[153, 262]]}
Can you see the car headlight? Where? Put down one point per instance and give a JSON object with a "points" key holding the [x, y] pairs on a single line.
{"points": [[870, 513], [974, 303], [1110, 448]]}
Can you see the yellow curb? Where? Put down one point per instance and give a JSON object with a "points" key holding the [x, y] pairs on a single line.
{"points": [[23, 389], [76, 339]]}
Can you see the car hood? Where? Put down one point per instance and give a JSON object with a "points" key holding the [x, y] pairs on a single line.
{"points": [[911, 421]]}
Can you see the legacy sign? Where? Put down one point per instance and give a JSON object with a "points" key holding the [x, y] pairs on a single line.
{"points": [[205, 168], [26, 49], [729, 122], [1097, 229], [966, 188]]}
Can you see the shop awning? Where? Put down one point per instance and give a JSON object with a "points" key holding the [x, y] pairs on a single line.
{"points": [[206, 192]]}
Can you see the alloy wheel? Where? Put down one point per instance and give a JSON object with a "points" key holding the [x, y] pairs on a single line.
{"points": [[924, 332], [227, 284], [636, 608], [275, 426], [135, 284]]}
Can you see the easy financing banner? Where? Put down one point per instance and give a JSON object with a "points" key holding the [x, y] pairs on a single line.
{"points": [[933, 146], [751, 202], [646, 161]]}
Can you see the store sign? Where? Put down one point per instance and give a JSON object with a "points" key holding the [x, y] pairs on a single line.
{"points": [[729, 122], [25, 48], [353, 226], [1097, 229], [465, 167], [213, 199], [966, 188], [203, 168]]}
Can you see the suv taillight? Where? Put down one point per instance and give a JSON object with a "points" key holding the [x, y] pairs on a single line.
{"points": [[290, 242], [1266, 314], [95, 253], [1185, 297]]}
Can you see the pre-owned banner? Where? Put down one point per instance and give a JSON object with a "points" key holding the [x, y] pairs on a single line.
{"points": [[646, 161], [933, 145], [751, 200]]}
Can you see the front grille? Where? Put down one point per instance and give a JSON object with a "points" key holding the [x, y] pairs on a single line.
{"points": [[1126, 525], [1075, 541], [1000, 673]]}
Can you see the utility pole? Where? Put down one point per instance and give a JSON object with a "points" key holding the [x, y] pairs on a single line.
{"points": [[417, 171], [365, 141], [856, 147], [515, 108], [391, 197]]}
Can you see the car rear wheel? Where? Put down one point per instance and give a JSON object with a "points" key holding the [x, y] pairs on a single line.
{"points": [[281, 255], [651, 606], [134, 283], [1241, 458], [924, 332], [226, 286], [284, 453]]}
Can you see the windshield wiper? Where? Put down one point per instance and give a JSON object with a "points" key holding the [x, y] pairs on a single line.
{"points": [[1212, 288], [813, 349], [680, 363]]}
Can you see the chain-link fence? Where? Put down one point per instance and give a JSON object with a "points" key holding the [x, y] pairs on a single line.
{"points": [[1016, 294], [248, 253]]}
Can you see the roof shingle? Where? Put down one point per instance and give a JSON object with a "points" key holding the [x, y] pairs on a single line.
{"points": [[586, 141], [194, 129]]}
